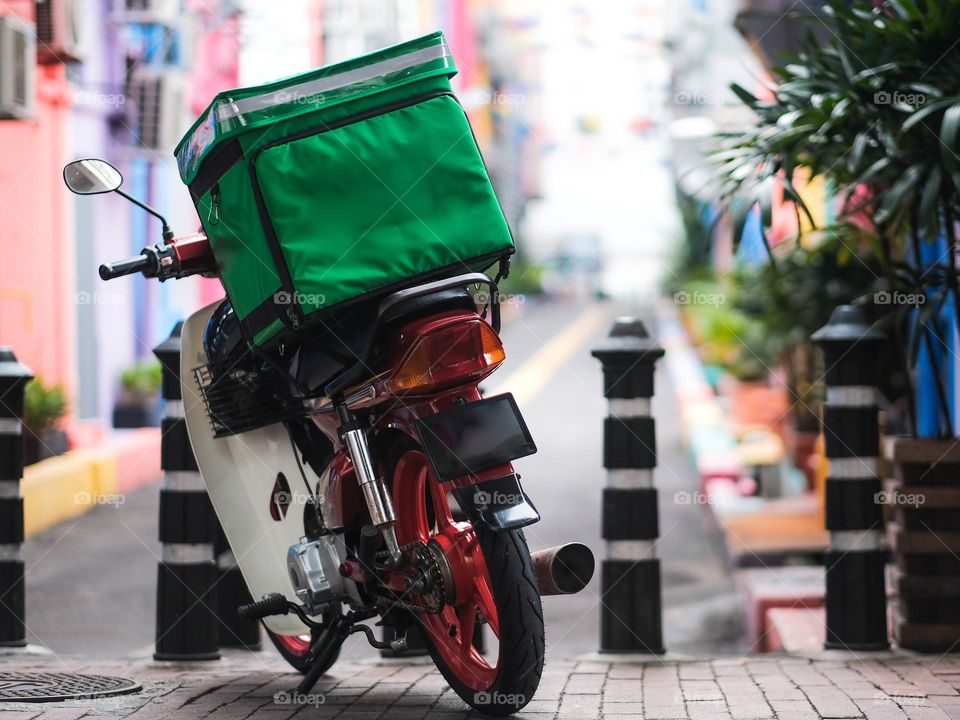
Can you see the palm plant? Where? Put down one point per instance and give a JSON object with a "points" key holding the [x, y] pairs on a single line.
{"points": [[876, 111]]}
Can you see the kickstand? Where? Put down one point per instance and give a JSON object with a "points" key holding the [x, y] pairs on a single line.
{"points": [[322, 650], [330, 640]]}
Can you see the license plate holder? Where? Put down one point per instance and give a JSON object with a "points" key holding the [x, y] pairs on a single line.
{"points": [[470, 438]]}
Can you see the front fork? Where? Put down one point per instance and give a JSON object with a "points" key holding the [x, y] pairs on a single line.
{"points": [[353, 431]]}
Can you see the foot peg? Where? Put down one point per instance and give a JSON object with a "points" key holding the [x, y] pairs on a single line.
{"points": [[269, 604]]}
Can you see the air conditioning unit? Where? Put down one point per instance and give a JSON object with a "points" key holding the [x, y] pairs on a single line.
{"points": [[159, 101], [58, 31], [146, 11], [18, 59]]}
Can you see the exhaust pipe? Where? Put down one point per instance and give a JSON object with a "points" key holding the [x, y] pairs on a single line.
{"points": [[564, 569]]}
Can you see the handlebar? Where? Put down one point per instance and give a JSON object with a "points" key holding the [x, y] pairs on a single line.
{"points": [[129, 266], [176, 258]]}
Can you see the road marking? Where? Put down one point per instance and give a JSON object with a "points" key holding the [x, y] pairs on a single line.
{"points": [[531, 377]]}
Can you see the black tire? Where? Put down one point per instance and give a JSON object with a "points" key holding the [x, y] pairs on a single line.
{"points": [[297, 661], [520, 612]]}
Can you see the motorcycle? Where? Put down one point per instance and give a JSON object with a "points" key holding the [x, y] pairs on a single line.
{"points": [[410, 509]]}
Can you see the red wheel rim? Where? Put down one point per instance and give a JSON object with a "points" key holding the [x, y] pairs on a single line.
{"points": [[451, 630], [298, 645]]}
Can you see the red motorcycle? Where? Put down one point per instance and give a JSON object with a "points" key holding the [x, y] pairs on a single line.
{"points": [[410, 509]]}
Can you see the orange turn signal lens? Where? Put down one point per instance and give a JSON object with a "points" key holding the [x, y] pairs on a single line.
{"points": [[449, 356]]}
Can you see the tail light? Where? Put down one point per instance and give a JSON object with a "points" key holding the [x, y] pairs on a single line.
{"points": [[448, 356]]}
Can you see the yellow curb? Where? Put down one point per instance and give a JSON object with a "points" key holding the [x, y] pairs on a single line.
{"points": [[64, 487]]}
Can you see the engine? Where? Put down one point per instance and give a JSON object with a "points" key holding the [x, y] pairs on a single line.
{"points": [[314, 567]]}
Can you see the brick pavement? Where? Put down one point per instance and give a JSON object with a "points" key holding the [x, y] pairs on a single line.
{"points": [[894, 687]]}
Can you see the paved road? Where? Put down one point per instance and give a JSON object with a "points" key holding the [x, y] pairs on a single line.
{"points": [[90, 584], [835, 685]]}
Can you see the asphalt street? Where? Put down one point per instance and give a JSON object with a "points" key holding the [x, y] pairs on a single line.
{"points": [[91, 582]]}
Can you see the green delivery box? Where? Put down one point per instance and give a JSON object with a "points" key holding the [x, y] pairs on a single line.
{"points": [[341, 184]]}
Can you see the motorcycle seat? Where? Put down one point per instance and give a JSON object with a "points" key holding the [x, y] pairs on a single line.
{"points": [[340, 343]]}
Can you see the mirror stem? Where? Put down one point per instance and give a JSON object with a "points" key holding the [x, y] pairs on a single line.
{"points": [[167, 232]]}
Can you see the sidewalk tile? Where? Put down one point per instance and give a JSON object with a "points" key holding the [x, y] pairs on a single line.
{"points": [[925, 712], [623, 708], [881, 709], [582, 684], [580, 706], [831, 702], [700, 690]]}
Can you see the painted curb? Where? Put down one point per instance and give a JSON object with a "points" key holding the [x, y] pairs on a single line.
{"points": [[64, 487]]}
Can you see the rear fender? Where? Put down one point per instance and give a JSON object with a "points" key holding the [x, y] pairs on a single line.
{"points": [[495, 499]]}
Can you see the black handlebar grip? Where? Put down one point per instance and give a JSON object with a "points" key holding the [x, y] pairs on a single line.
{"points": [[109, 271]]}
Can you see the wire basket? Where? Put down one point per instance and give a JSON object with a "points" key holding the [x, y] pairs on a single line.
{"points": [[243, 397]]}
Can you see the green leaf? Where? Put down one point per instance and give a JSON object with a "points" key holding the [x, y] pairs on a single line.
{"points": [[949, 128], [745, 96], [926, 111], [857, 150], [930, 199], [898, 201], [874, 71]]}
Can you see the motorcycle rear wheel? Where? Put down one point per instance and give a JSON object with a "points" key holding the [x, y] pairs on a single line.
{"points": [[495, 583]]}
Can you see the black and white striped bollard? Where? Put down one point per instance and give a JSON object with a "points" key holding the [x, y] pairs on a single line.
{"points": [[13, 379], [631, 611], [856, 605], [232, 592], [187, 574]]}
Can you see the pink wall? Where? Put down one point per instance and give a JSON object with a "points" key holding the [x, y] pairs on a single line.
{"points": [[37, 300], [215, 69]]}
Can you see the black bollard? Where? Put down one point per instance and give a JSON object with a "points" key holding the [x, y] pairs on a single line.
{"points": [[187, 575], [631, 607], [855, 594], [14, 377], [232, 592]]}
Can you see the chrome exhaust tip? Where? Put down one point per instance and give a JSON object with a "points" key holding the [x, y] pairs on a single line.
{"points": [[564, 569]]}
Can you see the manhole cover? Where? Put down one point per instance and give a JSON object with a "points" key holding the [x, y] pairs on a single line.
{"points": [[49, 687]]}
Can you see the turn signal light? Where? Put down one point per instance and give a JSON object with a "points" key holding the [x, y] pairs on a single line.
{"points": [[449, 356]]}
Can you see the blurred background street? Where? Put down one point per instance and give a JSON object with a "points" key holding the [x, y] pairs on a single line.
{"points": [[729, 171]]}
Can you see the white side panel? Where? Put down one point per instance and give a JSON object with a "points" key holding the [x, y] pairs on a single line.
{"points": [[240, 473]]}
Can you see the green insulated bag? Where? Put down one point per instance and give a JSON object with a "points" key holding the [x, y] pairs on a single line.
{"points": [[341, 184]]}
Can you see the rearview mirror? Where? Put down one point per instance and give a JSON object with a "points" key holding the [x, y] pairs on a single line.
{"points": [[92, 177]]}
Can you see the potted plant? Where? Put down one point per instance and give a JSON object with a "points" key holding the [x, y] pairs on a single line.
{"points": [[730, 339], [43, 408], [139, 402], [790, 302], [876, 112]]}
